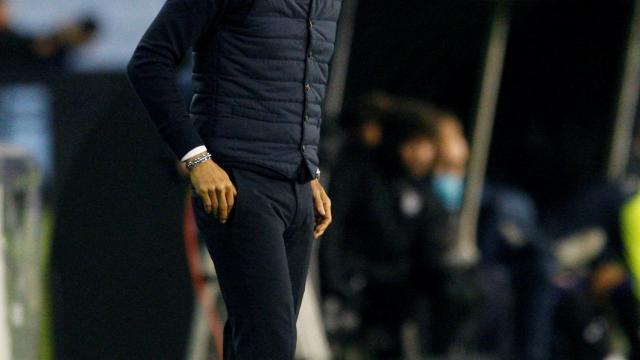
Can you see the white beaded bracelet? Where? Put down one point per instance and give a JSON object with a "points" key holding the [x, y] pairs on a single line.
{"points": [[191, 163]]}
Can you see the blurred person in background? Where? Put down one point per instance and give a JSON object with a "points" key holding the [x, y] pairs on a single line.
{"points": [[451, 164], [502, 305], [597, 244], [396, 215], [48, 51], [363, 127], [515, 276], [451, 292], [343, 268], [340, 269]]}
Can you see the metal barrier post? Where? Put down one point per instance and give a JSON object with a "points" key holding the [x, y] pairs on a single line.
{"points": [[466, 251], [21, 250], [627, 102]]}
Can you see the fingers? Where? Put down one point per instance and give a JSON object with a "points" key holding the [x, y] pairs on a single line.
{"points": [[326, 204], [231, 197], [317, 200], [207, 203], [223, 207], [321, 227], [322, 221], [224, 201], [214, 201], [215, 188]]}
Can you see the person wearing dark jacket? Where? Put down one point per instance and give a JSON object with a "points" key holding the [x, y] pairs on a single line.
{"points": [[364, 134], [396, 217], [250, 141]]}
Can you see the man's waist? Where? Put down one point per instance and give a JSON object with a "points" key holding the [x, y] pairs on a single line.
{"points": [[299, 175]]}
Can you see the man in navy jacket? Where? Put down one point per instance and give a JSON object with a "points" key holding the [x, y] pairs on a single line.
{"points": [[250, 140]]}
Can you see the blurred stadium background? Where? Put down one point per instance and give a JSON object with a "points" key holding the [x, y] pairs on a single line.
{"points": [[99, 258]]}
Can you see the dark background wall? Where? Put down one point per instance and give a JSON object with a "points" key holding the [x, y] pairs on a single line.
{"points": [[560, 82], [120, 279], [556, 110], [427, 49]]}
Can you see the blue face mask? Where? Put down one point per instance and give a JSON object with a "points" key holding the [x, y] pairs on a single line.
{"points": [[450, 189]]}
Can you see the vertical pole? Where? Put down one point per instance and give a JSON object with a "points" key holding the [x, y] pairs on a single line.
{"points": [[627, 102], [466, 251], [5, 338], [340, 63]]}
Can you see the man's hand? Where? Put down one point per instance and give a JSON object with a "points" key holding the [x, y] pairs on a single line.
{"points": [[215, 188], [322, 205]]}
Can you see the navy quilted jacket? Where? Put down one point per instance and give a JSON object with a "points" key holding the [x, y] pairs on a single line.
{"points": [[260, 73]]}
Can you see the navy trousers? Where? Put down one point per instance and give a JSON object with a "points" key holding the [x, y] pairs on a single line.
{"points": [[261, 256]]}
